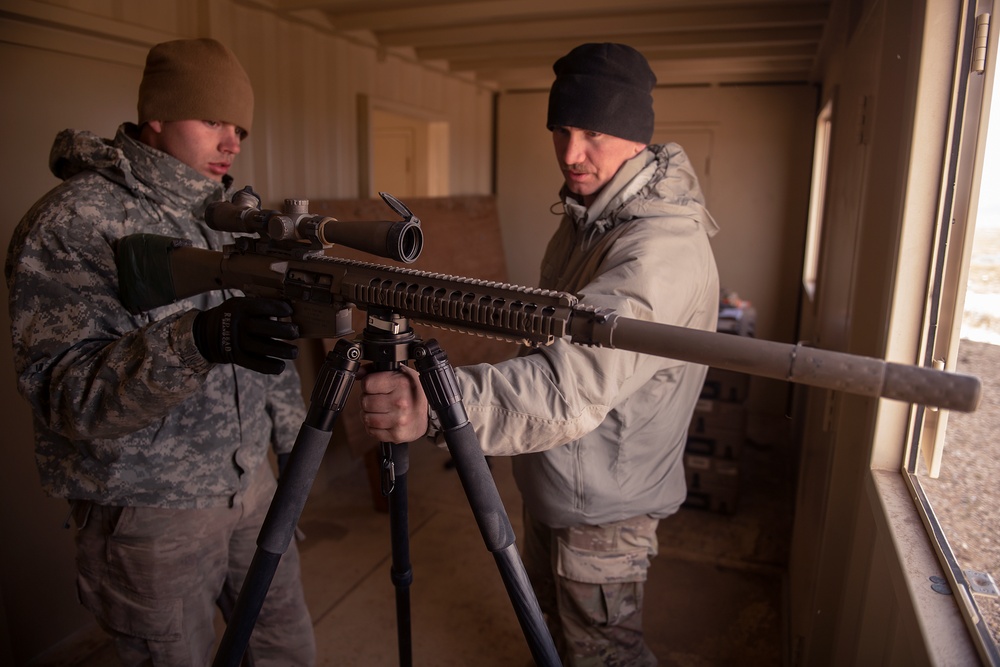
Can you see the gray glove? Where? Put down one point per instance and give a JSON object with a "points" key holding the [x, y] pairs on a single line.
{"points": [[242, 330]]}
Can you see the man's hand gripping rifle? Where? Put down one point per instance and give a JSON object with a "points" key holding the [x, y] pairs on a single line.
{"points": [[286, 260]]}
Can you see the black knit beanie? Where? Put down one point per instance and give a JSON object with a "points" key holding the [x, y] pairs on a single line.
{"points": [[604, 88]]}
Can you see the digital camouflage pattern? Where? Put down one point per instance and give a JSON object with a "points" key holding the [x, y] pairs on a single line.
{"points": [[126, 410], [589, 581]]}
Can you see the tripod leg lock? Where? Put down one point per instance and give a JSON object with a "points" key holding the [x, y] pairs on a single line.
{"points": [[401, 577], [333, 384], [437, 377]]}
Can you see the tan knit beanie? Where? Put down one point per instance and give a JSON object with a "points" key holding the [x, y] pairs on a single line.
{"points": [[195, 79]]}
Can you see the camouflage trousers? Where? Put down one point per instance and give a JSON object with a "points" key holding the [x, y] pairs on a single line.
{"points": [[589, 583], [153, 577]]}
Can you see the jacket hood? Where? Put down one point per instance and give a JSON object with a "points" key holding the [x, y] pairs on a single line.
{"points": [[143, 170], [658, 182], [75, 151]]}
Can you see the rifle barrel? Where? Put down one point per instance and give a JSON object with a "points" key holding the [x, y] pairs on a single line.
{"points": [[854, 374]]}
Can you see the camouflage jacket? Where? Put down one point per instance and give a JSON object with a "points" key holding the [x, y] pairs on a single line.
{"points": [[126, 410]]}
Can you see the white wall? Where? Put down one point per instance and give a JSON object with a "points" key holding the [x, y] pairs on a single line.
{"points": [[528, 182]]}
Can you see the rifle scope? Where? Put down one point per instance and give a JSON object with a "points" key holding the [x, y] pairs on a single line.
{"points": [[400, 240]]}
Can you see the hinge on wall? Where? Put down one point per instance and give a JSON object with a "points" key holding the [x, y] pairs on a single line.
{"points": [[980, 41], [982, 583]]}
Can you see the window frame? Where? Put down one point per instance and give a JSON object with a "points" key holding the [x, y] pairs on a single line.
{"points": [[954, 231]]}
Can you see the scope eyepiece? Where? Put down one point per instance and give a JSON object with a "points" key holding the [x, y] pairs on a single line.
{"points": [[407, 238]]}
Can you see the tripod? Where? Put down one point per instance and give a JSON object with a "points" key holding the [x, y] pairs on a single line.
{"points": [[387, 341]]}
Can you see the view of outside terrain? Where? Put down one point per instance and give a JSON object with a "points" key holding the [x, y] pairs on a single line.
{"points": [[966, 497]]}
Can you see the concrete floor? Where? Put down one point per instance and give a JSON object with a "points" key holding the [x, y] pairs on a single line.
{"points": [[714, 596]]}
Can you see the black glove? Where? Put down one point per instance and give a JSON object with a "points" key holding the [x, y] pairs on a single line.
{"points": [[242, 331]]}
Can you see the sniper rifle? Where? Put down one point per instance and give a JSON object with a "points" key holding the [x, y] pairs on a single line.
{"points": [[285, 258]]}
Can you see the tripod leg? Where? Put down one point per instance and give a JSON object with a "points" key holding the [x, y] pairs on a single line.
{"points": [[334, 383], [387, 340], [395, 460], [437, 377]]}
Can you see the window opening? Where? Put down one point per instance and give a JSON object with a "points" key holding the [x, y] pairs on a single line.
{"points": [[954, 462], [817, 199]]}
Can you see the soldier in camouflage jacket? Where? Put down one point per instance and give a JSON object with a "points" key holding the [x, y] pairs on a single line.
{"points": [[136, 422]]}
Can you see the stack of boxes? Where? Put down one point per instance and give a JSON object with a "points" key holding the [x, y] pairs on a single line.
{"points": [[718, 426]]}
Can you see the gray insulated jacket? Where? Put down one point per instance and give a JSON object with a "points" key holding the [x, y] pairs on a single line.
{"points": [[599, 434], [126, 411]]}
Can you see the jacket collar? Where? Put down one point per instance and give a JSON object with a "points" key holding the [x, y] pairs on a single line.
{"points": [[625, 184], [659, 181], [143, 170]]}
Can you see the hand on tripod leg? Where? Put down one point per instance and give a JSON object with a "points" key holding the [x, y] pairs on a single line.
{"points": [[393, 405], [394, 411]]}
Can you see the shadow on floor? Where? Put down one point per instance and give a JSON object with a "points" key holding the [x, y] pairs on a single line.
{"points": [[714, 597]]}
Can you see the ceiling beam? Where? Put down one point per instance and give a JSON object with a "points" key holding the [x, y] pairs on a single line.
{"points": [[652, 44], [529, 27]]}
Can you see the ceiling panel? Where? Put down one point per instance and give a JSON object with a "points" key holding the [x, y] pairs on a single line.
{"points": [[511, 44]]}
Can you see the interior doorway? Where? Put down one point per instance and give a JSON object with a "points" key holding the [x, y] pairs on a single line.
{"points": [[401, 152]]}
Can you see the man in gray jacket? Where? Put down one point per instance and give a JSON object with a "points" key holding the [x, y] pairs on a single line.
{"points": [[156, 426], [597, 435]]}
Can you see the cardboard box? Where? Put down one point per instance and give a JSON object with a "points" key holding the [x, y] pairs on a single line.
{"points": [[723, 471], [717, 428], [723, 501], [713, 484], [724, 385], [719, 445], [720, 414], [739, 319]]}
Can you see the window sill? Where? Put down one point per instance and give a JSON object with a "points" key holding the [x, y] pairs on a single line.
{"points": [[943, 629]]}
